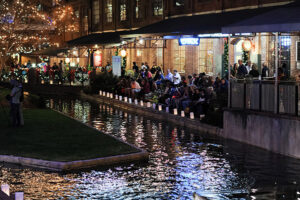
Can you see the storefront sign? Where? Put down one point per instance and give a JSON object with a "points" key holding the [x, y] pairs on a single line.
{"points": [[97, 59], [189, 41], [213, 35], [116, 65]]}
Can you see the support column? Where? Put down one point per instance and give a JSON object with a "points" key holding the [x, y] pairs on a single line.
{"points": [[229, 73], [276, 74]]}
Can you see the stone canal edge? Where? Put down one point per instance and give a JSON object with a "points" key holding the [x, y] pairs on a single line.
{"points": [[156, 114]]}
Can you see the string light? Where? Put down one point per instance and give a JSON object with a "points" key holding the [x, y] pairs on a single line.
{"points": [[25, 28]]}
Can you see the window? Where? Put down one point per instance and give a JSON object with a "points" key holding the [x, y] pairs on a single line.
{"points": [[178, 3], [138, 6], [284, 52], [85, 25], [178, 57], [123, 10], [96, 13], [108, 11], [157, 7], [206, 56]]}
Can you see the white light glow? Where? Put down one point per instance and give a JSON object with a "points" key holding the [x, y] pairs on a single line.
{"points": [[189, 41]]}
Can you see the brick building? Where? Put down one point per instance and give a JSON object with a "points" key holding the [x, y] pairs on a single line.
{"points": [[99, 16]]}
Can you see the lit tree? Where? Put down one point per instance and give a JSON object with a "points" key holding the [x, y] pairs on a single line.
{"points": [[23, 28], [29, 25], [65, 19]]}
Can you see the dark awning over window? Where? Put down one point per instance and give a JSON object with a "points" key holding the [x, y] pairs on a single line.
{"points": [[282, 19], [199, 24], [98, 38]]}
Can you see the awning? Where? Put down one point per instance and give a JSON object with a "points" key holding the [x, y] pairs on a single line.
{"points": [[199, 24], [97, 38], [282, 19]]}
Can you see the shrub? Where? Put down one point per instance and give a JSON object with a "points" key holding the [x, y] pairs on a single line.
{"points": [[104, 81]]}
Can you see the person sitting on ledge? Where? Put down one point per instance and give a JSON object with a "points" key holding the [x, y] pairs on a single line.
{"points": [[135, 88]]}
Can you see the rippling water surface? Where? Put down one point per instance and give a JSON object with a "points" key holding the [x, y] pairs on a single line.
{"points": [[182, 162]]}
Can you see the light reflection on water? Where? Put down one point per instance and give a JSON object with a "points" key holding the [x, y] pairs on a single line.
{"points": [[181, 162]]}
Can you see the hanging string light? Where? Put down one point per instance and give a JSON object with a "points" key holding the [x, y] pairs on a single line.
{"points": [[25, 28]]}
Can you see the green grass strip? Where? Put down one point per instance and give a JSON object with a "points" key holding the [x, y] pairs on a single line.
{"points": [[48, 135]]}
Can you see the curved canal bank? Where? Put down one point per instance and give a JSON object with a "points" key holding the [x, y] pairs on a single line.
{"points": [[182, 161]]}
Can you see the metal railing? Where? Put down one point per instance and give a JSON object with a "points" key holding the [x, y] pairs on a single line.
{"points": [[260, 96]]}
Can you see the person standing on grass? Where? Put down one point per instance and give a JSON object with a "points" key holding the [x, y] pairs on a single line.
{"points": [[21, 105], [15, 94]]}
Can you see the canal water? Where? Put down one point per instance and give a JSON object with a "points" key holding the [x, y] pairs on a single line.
{"points": [[182, 163]]}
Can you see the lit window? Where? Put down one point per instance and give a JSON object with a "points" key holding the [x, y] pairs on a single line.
{"points": [[157, 7], [96, 12], [123, 10], [285, 41], [108, 11], [138, 9], [205, 55], [178, 56]]}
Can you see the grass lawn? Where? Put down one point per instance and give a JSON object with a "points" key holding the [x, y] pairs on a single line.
{"points": [[49, 135]]}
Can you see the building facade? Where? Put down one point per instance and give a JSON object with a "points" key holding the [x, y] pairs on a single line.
{"points": [[99, 16]]}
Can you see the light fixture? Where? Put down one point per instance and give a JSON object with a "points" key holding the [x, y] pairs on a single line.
{"points": [[123, 53], [192, 116], [67, 60], [154, 106], [160, 107], [247, 45], [175, 111], [182, 114], [141, 41]]}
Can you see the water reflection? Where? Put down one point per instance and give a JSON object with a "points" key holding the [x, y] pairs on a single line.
{"points": [[182, 162]]}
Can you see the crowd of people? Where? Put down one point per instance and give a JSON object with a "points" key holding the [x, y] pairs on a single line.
{"points": [[194, 93], [57, 72], [239, 70]]}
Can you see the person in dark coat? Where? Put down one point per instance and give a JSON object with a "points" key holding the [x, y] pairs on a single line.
{"points": [[254, 72], [265, 71], [242, 70], [135, 67]]}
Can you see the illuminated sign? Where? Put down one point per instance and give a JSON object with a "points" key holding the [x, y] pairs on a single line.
{"points": [[189, 41], [213, 35], [97, 59]]}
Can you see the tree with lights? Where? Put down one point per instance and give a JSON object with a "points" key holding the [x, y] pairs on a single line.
{"points": [[30, 25], [23, 28], [65, 19]]}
